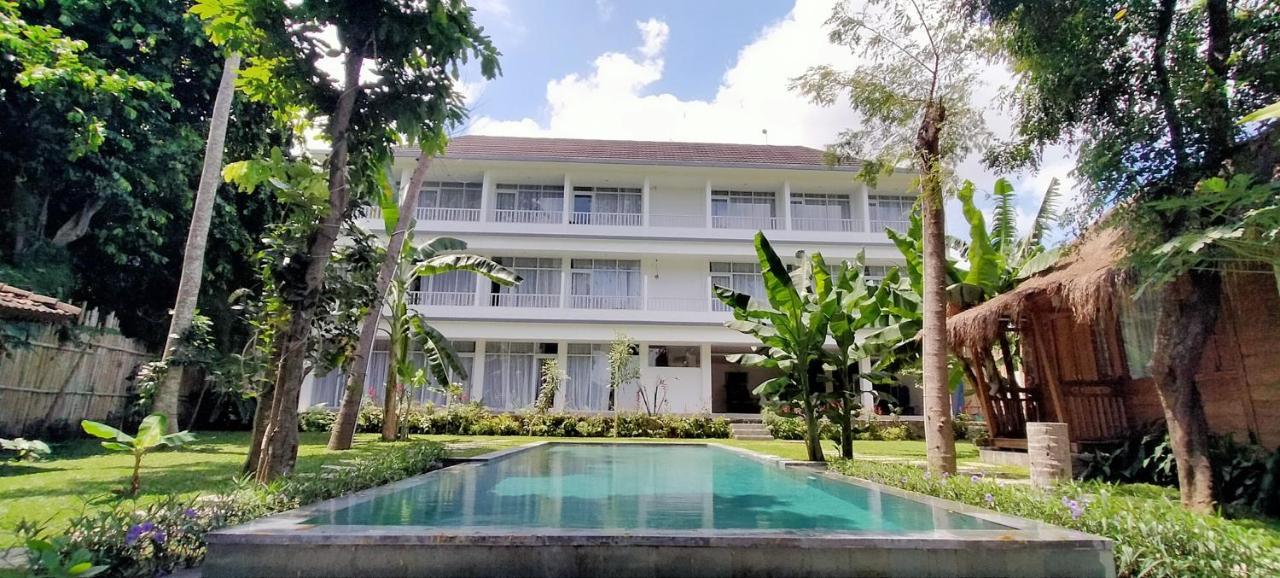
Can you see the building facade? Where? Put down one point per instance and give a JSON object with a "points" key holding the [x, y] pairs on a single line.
{"points": [[624, 237]]}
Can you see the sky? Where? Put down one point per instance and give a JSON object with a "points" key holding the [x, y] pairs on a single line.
{"points": [[682, 70]]}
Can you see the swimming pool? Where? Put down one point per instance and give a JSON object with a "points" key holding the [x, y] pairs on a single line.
{"points": [[634, 509]]}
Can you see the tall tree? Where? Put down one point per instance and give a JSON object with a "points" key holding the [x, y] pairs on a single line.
{"points": [[1149, 91], [912, 91], [399, 68]]}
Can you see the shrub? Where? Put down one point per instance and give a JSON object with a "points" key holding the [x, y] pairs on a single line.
{"points": [[25, 450], [1154, 536], [316, 418], [150, 437], [158, 538], [369, 420]]}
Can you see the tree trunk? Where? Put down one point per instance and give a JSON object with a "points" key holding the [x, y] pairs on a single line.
{"points": [[262, 411], [390, 407], [1188, 313], [813, 434], [280, 444], [184, 306], [938, 434], [344, 429]]}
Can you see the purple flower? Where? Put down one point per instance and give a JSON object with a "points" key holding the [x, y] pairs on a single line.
{"points": [[975, 478], [990, 499], [946, 475], [927, 475], [131, 537], [1076, 508], [159, 536], [190, 512]]}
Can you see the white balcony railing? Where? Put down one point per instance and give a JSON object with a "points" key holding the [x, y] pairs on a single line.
{"points": [[607, 219], [442, 299], [604, 301], [525, 300], [736, 222], [447, 214], [527, 217], [899, 226], [678, 304], [691, 221], [825, 224]]}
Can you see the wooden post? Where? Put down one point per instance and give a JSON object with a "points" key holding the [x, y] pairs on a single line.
{"points": [[1049, 453]]}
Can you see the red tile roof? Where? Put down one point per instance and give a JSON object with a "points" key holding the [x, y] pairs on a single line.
{"points": [[21, 304], [635, 152]]}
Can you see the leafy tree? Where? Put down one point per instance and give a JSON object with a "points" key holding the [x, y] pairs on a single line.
{"points": [[1150, 92], [412, 51], [792, 332], [912, 93]]}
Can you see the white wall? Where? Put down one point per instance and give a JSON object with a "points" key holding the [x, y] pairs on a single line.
{"points": [[677, 199]]}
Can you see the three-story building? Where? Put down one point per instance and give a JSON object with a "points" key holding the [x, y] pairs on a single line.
{"points": [[625, 237]]}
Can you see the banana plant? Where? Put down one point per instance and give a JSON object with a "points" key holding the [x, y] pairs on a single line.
{"points": [[150, 437], [408, 330], [792, 330]]}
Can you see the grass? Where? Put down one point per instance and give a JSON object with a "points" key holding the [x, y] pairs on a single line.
{"points": [[82, 475]]}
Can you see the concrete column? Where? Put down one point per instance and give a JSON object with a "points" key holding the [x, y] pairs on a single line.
{"points": [[644, 203], [868, 397], [1049, 453], [562, 358], [866, 208], [477, 373], [568, 200], [488, 198], [566, 279], [786, 205], [708, 202], [704, 352]]}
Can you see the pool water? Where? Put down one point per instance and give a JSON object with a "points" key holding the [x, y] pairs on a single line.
{"points": [[643, 487]]}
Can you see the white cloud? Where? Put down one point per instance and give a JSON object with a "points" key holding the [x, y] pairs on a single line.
{"points": [[614, 100], [604, 9]]}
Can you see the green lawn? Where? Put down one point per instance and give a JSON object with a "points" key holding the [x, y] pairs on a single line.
{"points": [[82, 475]]}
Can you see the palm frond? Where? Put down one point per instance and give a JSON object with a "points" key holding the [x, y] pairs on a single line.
{"points": [[1048, 213], [1004, 222]]}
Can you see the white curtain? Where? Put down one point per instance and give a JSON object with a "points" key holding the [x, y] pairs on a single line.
{"points": [[1138, 329], [510, 375], [376, 379], [607, 278], [587, 387]]}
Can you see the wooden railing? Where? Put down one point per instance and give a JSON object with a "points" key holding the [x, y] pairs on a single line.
{"points": [[1096, 411]]}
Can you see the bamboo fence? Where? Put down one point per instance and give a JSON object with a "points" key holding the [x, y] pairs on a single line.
{"points": [[52, 384]]}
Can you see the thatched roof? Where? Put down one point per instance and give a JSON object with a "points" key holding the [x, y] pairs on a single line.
{"points": [[1085, 281], [24, 305]]}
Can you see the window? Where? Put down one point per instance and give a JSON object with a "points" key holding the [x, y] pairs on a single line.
{"points": [[587, 386], [607, 206], [741, 277], [510, 375], [890, 212], [451, 288], [530, 203], [821, 212], [540, 288], [1138, 331], [674, 356], [449, 201], [604, 284], [875, 273], [742, 210], [433, 392]]}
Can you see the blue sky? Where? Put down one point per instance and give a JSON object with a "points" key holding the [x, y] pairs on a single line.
{"points": [[691, 70]]}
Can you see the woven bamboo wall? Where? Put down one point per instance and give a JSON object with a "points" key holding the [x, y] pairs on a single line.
{"points": [[1240, 372], [52, 383]]}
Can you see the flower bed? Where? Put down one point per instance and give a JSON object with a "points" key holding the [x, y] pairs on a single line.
{"points": [[128, 540], [1154, 535]]}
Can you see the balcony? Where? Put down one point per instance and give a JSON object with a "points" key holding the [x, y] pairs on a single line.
{"points": [[739, 222], [604, 302], [607, 219], [899, 226], [826, 224], [601, 303], [527, 217], [447, 214]]}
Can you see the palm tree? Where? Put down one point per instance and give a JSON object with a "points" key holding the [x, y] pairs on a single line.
{"points": [[184, 306], [408, 330], [999, 258]]}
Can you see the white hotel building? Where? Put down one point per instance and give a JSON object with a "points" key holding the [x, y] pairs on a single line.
{"points": [[625, 236]]}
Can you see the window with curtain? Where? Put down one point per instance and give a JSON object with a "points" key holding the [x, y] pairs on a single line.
{"points": [[452, 288], [624, 200], [890, 212], [540, 287], [742, 209], [587, 387], [605, 284], [674, 356], [875, 273], [821, 212], [466, 358], [530, 203], [741, 277], [510, 375], [454, 201]]}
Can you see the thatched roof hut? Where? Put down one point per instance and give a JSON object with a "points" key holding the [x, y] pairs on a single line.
{"points": [[1070, 344]]}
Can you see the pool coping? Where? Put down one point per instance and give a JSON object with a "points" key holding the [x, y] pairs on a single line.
{"points": [[290, 528]]}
